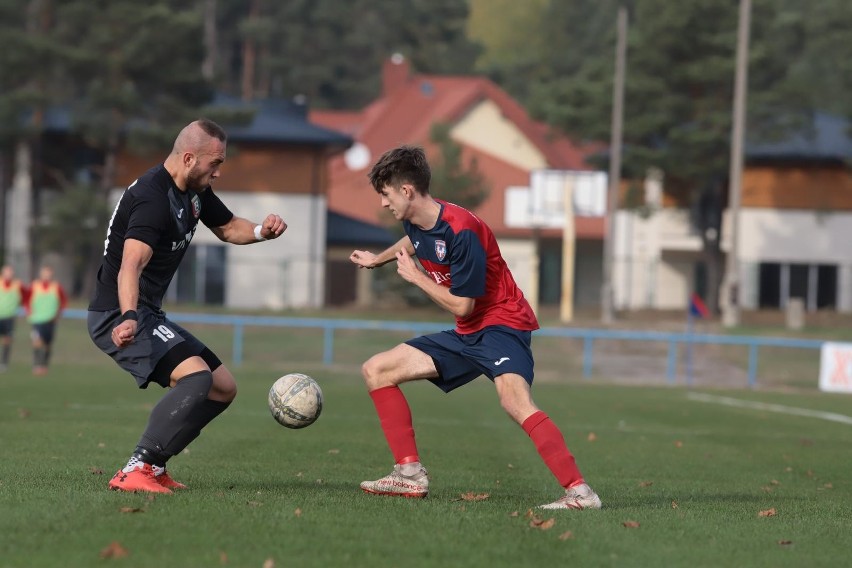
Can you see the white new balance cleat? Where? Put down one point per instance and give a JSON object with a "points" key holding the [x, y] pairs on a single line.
{"points": [[398, 485], [578, 497]]}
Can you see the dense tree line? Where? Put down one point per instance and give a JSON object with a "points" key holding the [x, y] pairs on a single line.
{"points": [[128, 71]]}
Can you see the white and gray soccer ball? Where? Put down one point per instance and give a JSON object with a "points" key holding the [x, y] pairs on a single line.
{"points": [[295, 400]]}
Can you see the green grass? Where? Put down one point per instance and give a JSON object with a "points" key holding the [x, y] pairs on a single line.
{"points": [[694, 475]]}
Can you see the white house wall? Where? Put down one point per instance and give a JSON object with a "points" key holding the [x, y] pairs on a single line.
{"points": [[288, 272], [654, 256], [794, 237], [486, 129]]}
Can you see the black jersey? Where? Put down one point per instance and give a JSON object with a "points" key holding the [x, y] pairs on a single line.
{"points": [[153, 210]]}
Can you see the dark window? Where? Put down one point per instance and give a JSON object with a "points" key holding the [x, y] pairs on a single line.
{"points": [[770, 285], [826, 286], [799, 281]]}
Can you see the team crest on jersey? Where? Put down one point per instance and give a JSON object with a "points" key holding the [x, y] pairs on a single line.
{"points": [[196, 206], [440, 249]]}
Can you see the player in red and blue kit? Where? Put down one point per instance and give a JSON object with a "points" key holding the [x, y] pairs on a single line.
{"points": [[466, 275]]}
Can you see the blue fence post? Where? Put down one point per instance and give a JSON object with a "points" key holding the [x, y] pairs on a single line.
{"points": [[752, 365], [671, 365], [238, 344], [328, 345], [588, 354]]}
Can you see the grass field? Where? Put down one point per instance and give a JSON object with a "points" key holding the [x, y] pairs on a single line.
{"points": [[684, 481]]}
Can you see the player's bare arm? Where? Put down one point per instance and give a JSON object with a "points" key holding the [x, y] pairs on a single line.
{"points": [[459, 306], [366, 259], [134, 259], [239, 231]]}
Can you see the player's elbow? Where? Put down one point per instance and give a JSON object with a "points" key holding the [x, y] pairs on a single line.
{"points": [[464, 307]]}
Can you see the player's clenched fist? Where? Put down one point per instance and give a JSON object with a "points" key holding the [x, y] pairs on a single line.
{"points": [[123, 333]]}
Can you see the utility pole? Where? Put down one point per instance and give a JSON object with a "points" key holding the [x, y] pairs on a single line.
{"points": [[730, 306], [607, 295]]}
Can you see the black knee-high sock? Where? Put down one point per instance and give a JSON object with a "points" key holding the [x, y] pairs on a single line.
{"points": [[170, 418], [201, 417]]}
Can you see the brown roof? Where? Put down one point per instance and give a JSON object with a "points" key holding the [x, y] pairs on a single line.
{"points": [[405, 113]]}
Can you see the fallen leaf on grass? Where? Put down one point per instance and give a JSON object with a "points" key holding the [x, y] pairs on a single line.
{"points": [[334, 451], [567, 535], [767, 489], [223, 557], [114, 550], [131, 510], [828, 486], [24, 413], [768, 513], [674, 504], [96, 471], [471, 496], [646, 483], [678, 444], [774, 482], [592, 437], [513, 514], [785, 542], [298, 512], [269, 563], [630, 524], [542, 524]]}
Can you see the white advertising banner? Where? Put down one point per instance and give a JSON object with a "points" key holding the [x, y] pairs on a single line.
{"points": [[835, 367]]}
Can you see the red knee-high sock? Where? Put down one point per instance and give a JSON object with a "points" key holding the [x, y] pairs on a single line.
{"points": [[551, 447], [395, 418]]}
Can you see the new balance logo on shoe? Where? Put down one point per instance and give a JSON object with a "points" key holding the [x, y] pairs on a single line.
{"points": [[501, 361], [398, 485]]}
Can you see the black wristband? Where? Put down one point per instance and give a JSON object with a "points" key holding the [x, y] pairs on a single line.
{"points": [[130, 315]]}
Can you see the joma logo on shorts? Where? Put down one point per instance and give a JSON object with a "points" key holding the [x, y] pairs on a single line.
{"points": [[177, 245]]}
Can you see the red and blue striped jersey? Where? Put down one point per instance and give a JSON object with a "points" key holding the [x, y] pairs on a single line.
{"points": [[461, 253]]}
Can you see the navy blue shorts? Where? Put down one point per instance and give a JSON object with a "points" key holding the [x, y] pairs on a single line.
{"points": [[492, 351]]}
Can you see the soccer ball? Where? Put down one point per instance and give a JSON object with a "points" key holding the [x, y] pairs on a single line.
{"points": [[295, 400]]}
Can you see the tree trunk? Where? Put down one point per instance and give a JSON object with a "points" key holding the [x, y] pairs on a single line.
{"points": [[249, 57], [208, 67]]}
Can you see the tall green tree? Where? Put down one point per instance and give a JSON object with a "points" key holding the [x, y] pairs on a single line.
{"points": [[132, 74], [679, 92], [27, 58], [332, 51]]}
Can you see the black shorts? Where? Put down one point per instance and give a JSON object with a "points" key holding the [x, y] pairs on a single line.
{"points": [[160, 345], [44, 331], [492, 351], [7, 326]]}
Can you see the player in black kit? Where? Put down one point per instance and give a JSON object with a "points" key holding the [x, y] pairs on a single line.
{"points": [[148, 234]]}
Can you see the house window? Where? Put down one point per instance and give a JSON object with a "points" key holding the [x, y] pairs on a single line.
{"points": [[816, 284], [201, 276]]}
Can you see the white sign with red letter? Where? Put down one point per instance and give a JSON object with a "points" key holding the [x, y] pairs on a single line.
{"points": [[835, 367]]}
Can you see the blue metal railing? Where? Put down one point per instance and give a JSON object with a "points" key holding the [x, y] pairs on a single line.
{"points": [[588, 335]]}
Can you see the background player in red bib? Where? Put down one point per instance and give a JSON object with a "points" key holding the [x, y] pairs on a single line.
{"points": [[466, 275], [44, 301]]}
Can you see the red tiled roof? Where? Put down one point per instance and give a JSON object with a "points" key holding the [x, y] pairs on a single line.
{"points": [[406, 113]]}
